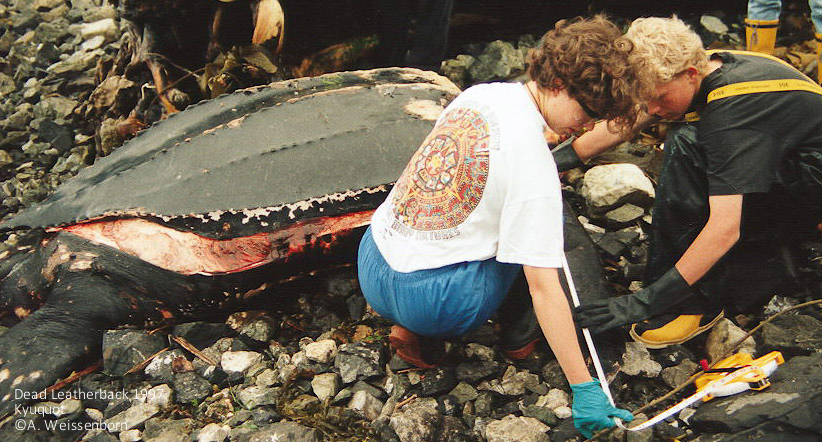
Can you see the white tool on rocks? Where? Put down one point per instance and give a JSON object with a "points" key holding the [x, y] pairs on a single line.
{"points": [[730, 376]]}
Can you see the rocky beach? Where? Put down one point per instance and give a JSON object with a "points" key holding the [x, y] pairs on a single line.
{"points": [[310, 361]]}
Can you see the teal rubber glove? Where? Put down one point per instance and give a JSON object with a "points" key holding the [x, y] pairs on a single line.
{"points": [[592, 411]]}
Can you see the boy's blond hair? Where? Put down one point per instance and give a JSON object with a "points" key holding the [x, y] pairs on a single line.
{"points": [[664, 47]]}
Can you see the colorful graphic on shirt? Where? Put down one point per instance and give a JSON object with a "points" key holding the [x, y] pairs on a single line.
{"points": [[445, 179]]}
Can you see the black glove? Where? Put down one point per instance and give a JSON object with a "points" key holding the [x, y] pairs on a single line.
{"points": [[603, 315], [565, 156]]}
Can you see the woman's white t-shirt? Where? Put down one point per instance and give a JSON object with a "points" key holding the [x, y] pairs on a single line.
{"points": [[483, 184]]}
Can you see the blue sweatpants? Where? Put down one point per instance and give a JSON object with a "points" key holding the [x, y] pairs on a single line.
{"points": [[443, 302]]}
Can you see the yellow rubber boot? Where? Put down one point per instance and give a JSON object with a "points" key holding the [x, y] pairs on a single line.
{"points": [[760, 35], [819, 58]]}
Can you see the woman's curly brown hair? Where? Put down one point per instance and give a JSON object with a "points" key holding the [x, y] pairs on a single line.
{"points": [[589, 57]]}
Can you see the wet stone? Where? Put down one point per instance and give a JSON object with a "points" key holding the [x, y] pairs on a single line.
{"points": [[161, 396], [255, 396], [473, 372], [322, 351], [325, 385], [484, 404], [520, 428], [303, 404], [168, 429], [240, 416], [213, 433], [464, 392], [131, 435], [449, 405], [234, 362], [134, 417], [124, 349], [438, 381], [265, 415], [370, 389], [342, 396], [285, 432], [637, 361], [359, 361], [679, 374], [363, 402], [160, 368], [189, 388], [793, 335], [418, 421], [542, 414]]}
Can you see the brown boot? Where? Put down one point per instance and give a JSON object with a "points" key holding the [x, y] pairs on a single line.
{"points": [[760, 35]]}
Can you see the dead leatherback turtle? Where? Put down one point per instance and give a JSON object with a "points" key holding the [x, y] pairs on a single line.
{"points": [[207, 208]]}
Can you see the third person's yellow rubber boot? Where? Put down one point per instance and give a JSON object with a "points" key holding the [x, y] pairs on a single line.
{"points": [[819, 58], [760, 35]]}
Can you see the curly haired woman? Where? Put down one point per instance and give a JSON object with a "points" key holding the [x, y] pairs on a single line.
{"points": [[479, 204]]}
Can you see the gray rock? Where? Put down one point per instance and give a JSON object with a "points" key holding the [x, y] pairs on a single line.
{"points": [[321, 351], [124, 349], [624, 214], [134, 435], [713, 24], [239, 361], [512, 383], [325, 385], [7, 85], [168, 430], [542, 414], [793, 335], [724, 336], [677, 375], [499, 60], [55, 107], [457, 69], [106, 27], [608, 186], [554, 399], [285, 432], [464, 392], [359, 361], [203, 334], [473, 372], [255, 396], [159, 369], [189, 387], [513, 428], [479, 352], [366, 404], [160, 396], [75, 63], [417, 421], [438, 381], [636, 361], [304, 404], [260, 330], [134, 417], [213, 432]]}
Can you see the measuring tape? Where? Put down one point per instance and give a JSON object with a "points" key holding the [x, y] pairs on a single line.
{"points": [[730, 376]]}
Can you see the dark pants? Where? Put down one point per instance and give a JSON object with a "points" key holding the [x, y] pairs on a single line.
{"points": [[413, 33], [756, 268]]}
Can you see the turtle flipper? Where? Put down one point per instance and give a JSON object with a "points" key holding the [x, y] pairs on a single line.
{"points": [[55, 339]]}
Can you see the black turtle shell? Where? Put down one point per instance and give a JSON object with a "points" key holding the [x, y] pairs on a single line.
{"points": [[260, 159]]}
